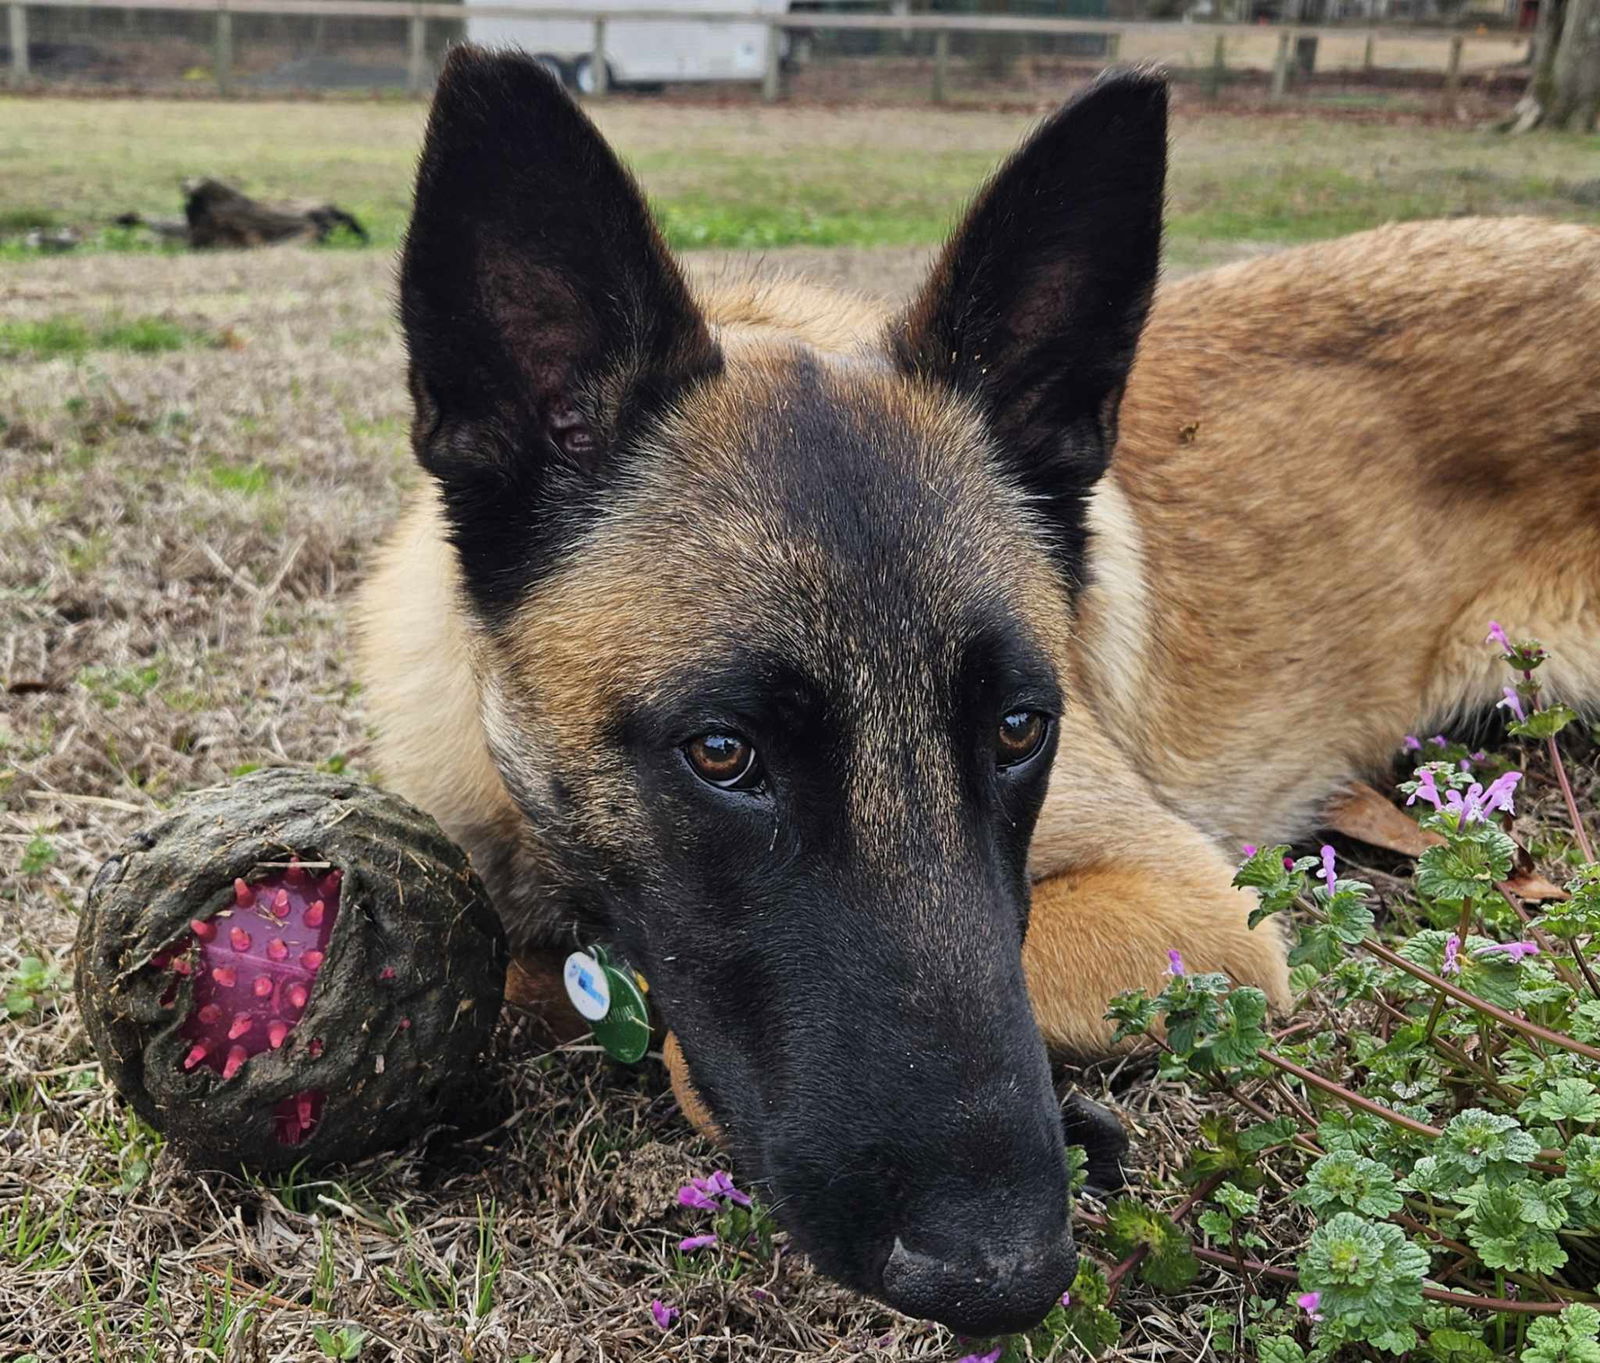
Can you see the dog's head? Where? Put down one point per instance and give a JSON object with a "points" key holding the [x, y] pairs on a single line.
{"points": [[770, 640]]}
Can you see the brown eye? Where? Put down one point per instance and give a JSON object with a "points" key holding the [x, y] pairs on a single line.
{"points": [[1020, 736], [727, 761]]}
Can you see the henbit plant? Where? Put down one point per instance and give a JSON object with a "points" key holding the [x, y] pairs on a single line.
{"points": [[1429, 1126]]}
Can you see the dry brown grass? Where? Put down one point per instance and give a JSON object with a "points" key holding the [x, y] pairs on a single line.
{"points": [[178, 533]]}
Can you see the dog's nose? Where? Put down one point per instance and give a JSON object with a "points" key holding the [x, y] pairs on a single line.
{"points": [[981, 1293]]}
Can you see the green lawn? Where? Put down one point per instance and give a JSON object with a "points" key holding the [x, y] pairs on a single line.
{"points": [[757, 178]]}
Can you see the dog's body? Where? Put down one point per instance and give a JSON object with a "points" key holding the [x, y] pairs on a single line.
{"points": [[1334, 466], [1326, 485]]}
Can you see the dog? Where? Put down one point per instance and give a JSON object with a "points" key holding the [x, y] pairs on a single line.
{"points": [[890, 690]]}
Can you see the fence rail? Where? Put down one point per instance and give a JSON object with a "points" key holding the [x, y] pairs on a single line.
{"points": [[418, 13]]}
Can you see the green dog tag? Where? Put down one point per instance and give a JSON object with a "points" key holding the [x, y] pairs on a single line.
{"points": [[604, 992]]}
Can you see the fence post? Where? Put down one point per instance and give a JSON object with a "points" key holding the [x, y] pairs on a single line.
{"points": [[1113, 46], [1369, 53], [1280, 68], [941, 65], [223, 59], [597, 60], [1219, 65], [19, 42], [772, 76], [417, 53], [1452, 72]]}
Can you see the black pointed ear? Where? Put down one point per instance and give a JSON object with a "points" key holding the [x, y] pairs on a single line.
{"points": [[545, 321], [1035, 308]]}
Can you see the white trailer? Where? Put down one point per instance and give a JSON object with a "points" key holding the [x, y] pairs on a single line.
{"points": [[640, 52]]}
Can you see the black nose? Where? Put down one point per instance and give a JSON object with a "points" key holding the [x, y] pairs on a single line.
{"points": [[982, 1291]]}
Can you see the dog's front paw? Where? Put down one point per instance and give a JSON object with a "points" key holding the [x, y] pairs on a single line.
{"points": [[1099, 931]]}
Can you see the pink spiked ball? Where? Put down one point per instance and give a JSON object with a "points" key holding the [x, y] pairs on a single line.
{"points": [[251, 987]]}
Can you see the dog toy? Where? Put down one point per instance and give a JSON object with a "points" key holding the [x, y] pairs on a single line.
{"points": [[292, 967]]}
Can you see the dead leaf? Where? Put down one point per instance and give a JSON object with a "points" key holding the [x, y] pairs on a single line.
{"points": [[1532, 885], [1360, 812]]}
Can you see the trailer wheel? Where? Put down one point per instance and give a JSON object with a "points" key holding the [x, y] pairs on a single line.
{"points": [[583, 76], [555, 66]]}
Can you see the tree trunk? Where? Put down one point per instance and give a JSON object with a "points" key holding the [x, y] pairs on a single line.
{"points": [[1564, 89]]}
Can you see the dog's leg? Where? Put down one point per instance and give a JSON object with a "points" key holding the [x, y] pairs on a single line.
{"points": [[1099, 929], [1119, 881]]}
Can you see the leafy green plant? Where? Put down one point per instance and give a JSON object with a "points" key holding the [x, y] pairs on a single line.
{"points": [[1440, 1147], [38, 856], [344, 1342], [28, 986]]}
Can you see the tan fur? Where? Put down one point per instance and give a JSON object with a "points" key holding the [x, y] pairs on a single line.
{"points": [[1335, 466], [1344, 461]]}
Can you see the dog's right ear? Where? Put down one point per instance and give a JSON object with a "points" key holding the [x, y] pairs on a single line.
{"points": [[544, 318], [1035, 308]]}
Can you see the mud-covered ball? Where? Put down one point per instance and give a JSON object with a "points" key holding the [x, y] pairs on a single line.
{"points": [[291, 967]]}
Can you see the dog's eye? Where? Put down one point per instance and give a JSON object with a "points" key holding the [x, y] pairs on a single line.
{"points": [[727, 761], [1021, 734]]}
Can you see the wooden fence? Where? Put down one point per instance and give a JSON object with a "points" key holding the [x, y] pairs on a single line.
{"points": [[941, 26]]}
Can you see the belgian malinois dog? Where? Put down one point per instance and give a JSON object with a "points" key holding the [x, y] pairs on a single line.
{"points": [[891, 690]]}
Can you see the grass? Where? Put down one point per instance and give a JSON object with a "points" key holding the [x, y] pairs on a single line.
{"points": [[746, 178], [72, 337], [180, 527], [251, 480]]}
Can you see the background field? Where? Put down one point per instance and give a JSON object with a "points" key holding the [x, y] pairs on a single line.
{"points": [[196, 455], [743, 177]]}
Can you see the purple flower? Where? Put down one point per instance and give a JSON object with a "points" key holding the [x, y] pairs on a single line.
{"points": [[1498, 636], [1309, 1302], [695, 1195], [663, 1315], [1479, 756], [1066, 1299], [1514, 951], [722, 1186], [1439, 741], [1174, 962], [1249, 849], [993, 1356], [1329, 876], [1475, 804], [689, 1244], [1466, 807], [1452, 956], [1426, 790], [1512, 702], [702, 1193], [1288, 863], [1499, 793], [1412, 743]]}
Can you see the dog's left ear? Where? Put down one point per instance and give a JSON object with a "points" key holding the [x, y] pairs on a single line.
{"points": [[1035, 308], [545, 321]]}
